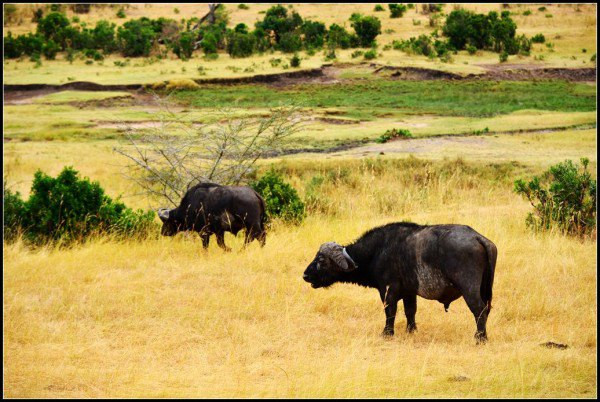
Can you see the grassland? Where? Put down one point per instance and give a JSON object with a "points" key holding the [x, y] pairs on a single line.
{"points": [[480, 98], [571, 29], [336, 113], [163, 318]]}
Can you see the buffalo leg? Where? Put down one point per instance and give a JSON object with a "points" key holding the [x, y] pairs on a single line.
{"points": [[259, 234], [480, 311], [221, 241], [205, 240], [390, 305], [410, 310], [247, 237], [262, 239]]}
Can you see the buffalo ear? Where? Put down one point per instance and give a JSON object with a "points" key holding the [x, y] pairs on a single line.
{"points": [[163, 214], [334, 251]]}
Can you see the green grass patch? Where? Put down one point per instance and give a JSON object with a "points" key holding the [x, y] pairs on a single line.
{"points": [[476, 99], [80, 96]]}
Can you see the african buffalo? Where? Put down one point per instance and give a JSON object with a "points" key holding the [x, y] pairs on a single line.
{"points": [[210, 208], [403, 260]]}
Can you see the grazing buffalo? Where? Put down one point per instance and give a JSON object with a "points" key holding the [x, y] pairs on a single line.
{"points": [[209, 208], [403, 260]]}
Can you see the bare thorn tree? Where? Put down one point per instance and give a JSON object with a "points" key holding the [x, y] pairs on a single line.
{"points": [[174, 153]]}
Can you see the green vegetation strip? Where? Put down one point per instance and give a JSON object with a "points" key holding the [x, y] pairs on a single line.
{"points": [[477, 99]]}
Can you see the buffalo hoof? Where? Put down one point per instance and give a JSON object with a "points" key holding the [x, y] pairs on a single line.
{"points": [[480, 338], [410, 328], [387, 333]]}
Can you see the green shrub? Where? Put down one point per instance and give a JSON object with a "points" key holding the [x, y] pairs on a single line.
{"points": [[370, 54], [378, 8], [539, 38], [93, 54], [209, 43], [393, 134], [471, 49], [563, 198], [542, 9], [527, 12], [240, 44], [366, 28], [243, 6], [136, 37], [210, 56], [356, 53], [50, 49], [14, 210], [314, 34], [121, 13], [68, 209], [70, 55], [50, 26], [12, 47], [104, 36], [523, 44], [278, 22], [464, 27], [37, 15], [282, 199], [397, 10], [290, 42], [183, 46], [421, 46], [295, 61], [503, 56], [337, 36]]}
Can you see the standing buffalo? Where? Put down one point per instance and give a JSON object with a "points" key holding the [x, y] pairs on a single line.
{"points": [[209, 208], [403, 260]]}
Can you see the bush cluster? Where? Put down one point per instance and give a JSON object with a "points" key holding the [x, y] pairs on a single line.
{"points": [[489, 32], [278, 30], [392, 134], [281, 198], [68, 209], [466, 30], [539, 38], [397, 10], [563, 198]]}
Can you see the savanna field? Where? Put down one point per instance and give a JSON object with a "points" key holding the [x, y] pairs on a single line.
{"points": [[161, 317]]}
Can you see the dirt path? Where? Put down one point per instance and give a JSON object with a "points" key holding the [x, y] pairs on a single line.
{"points": [[438, 143], [422, 145]]}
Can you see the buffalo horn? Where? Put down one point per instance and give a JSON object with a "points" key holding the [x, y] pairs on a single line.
{"points": [[334, 251]]}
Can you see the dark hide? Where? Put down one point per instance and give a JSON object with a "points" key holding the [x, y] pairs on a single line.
{"points": [[209, 208], [406, 260]]}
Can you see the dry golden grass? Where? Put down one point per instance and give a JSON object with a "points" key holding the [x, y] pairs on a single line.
{"points": [[162, 318]]}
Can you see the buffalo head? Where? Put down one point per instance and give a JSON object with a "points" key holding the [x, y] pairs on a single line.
{"points": [[328, 265], [170, 226]]}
